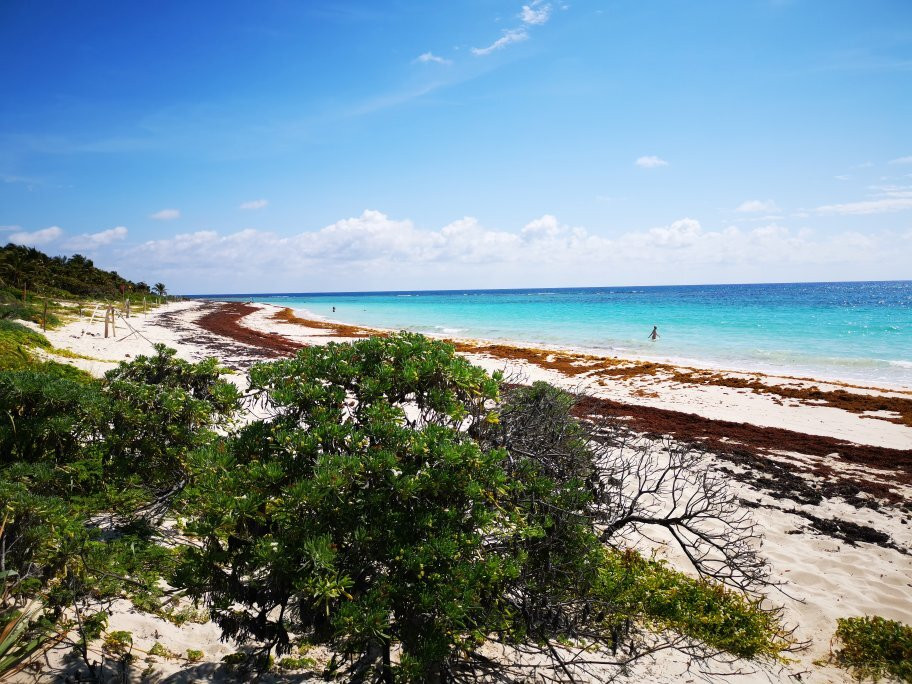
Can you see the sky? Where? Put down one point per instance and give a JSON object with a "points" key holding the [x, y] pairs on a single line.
{"points": [[283, 146]]}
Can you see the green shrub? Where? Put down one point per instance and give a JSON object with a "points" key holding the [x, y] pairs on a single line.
{"points": [[194, 656], [47, 418], [118, 643], [13, 309], [653, 593], [386, 504], [162, 408], [874, 647], [159, 649], [40, 535], [15, 342], [295, 510], [184, 615], [298, 663]]}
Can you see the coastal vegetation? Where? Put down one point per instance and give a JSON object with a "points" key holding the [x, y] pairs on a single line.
{"points": [[49, 291], [398, 504], [26, 270], [387, 500], [872, 647]]}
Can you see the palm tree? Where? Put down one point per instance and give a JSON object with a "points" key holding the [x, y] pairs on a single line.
{"points": [[160, 289], [17, 268]]}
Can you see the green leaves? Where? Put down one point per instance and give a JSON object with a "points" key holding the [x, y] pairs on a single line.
{"points": [[19, 639], [874, 647], [655, 594], [46, 418], [72, 449], [392, 499], [380, 372], [361, 504], [161, 409]]}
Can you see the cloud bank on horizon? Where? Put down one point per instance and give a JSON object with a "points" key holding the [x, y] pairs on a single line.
{"points": [[710, 142], [376, 251]]}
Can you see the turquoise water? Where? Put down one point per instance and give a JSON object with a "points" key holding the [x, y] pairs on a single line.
{"points": [[853, 331]]}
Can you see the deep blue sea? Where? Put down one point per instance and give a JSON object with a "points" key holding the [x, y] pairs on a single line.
{"points": [[853, 331]]}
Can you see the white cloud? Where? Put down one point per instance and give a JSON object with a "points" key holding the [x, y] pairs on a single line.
{"points": [[902, 160], [166, 215], [752, 206], [893, 190], [650, 162], [877, 206], [535, 13], [426, 57], [509, 37], [88, 241], [19, 179], [38, 237], [681, 233], [374, 251], [254, 204]]}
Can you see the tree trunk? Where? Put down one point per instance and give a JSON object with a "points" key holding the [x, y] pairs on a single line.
{"points": [[387, 664], [434, 674]]}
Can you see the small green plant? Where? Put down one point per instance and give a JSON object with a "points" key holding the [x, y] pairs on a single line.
{"points": [[15, 342], [235, 659], [18, 643], [299, 663], [118, 643], [193, 655], [159, 649], [667, 599], [873, 647], [186, 614]]}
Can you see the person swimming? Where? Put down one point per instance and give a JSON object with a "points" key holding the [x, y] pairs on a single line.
{"points": [[654, 335]]}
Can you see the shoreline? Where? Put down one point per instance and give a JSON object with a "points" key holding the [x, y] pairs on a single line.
{"points": [[691, 363], [725, 396]]}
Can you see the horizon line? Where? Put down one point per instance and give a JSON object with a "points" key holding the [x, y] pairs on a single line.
{"points": [[518, 289]]}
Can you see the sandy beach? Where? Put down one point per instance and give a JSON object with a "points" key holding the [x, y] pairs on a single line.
{"points": [[825, 468]]}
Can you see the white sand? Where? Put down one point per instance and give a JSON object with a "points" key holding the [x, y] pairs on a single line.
{"points": [[824, 579]]}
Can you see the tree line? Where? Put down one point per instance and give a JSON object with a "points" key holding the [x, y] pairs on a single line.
{"points": [[26, 269]]}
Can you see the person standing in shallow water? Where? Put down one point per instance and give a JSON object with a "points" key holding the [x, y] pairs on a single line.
{"points": [[654, 335]]}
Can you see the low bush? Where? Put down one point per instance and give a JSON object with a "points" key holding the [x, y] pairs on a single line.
{"points": [[299, 663], [160, 650], [47, 418], [666, 599], [874, 647], [15, 342]]}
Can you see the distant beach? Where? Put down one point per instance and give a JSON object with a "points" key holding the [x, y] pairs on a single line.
{"points": [[859, 332]]}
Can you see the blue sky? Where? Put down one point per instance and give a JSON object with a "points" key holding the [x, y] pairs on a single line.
{"points": [[301, 146]]}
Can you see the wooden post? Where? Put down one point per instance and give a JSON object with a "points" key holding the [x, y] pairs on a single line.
{"points": [[144, 306], [44, 319], [109, 317], [128, 309]]}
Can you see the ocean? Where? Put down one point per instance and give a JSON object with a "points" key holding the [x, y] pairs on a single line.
{"points": [[856, 331]]}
